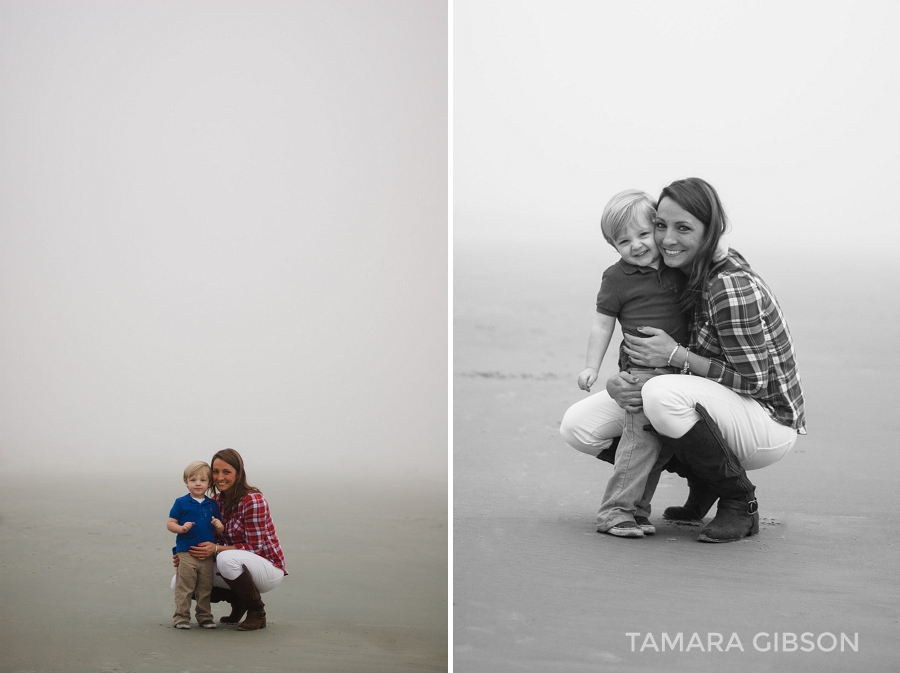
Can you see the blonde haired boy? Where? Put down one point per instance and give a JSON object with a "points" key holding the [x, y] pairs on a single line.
{"points": [[638, 291], [195, 518]]}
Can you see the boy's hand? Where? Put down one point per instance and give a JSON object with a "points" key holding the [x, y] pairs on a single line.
{"points": [[218, 525], [587, 378], [187, 526]]}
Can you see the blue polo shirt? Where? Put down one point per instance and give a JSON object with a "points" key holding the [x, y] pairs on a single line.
{"points": [[641, 296], [201, 513]]}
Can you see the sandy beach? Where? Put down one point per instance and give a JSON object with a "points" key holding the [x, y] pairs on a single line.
{"points": [[85, 576], [537, 589]]}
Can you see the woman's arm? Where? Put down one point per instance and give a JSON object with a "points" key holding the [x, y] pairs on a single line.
{"points": [[736, 330], [253, 528], [255, 523], [737, 326], [601, 334]]}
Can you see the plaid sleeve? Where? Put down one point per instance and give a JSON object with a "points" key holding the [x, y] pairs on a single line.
{"points": [[249, 527], [740, 358], [740, 327], [254, 517]]}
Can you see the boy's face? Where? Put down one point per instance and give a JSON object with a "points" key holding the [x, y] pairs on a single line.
{"points": [[636, 245], [197, 484]]}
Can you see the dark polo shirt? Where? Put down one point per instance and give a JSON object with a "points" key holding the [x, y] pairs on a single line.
{"points": [[641, 296], [201, 513]]}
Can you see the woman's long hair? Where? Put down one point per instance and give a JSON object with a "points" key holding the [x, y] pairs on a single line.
{"points": [[240, 488], [698, 197]]}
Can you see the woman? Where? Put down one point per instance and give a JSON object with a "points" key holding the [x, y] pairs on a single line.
{"points": [[742, 407], [249, 560]]}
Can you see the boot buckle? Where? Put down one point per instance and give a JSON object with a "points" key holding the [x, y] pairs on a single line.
{"points": [[752, 507]]}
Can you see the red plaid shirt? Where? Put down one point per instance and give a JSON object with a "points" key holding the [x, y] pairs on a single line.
{"points": [[249, 527], [738, 325]]}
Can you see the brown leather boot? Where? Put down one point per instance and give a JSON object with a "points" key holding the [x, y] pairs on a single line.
{"points": [[705, 451], [734, 520], [220, 595], [247, 596], [700, 500], [256, 619]]}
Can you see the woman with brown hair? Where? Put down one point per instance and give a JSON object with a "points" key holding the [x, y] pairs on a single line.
{"points": [[249, 560], [741, 406]]}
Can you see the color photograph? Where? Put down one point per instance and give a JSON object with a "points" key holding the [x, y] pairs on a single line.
{"points": [[224, 336]]}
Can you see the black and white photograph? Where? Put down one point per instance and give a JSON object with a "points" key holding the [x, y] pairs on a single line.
{"points": [[223, 335], [712, 186]]}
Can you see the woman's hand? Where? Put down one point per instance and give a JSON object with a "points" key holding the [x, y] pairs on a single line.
{"points": [[587, 378], [175, 560], [625, 389], [202, 551], [652, 351]]}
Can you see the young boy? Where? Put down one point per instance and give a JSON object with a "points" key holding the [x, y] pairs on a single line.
{"points": [[195, 518], [640, 291]]}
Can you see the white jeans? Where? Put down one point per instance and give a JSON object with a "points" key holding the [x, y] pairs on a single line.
{"points": [[669, 400], [230, 564], [755, 438]]}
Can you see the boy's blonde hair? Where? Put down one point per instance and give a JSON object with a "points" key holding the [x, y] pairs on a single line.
{"points": [[195, 467], [623, 209]]}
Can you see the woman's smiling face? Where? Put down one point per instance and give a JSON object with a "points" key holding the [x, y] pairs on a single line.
{"points": [[223, 474], [678, 234]]}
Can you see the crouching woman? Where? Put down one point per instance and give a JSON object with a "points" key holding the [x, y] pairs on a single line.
{"points": [[248, 556]]}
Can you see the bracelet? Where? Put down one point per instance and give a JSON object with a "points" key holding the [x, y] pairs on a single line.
{"points": [[672, 354], [686, 367], [217, 550]]}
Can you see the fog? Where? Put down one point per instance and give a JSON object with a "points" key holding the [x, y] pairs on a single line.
{"points": [[790, 110], [224, 224]]}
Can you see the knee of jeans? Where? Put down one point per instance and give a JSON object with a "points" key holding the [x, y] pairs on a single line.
{"points": [[654, 395], [228, 566], [573, 434], [567, 429], [580, 439]]}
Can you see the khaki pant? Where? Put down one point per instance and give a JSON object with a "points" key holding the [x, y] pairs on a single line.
{"points": [[193, 579]]}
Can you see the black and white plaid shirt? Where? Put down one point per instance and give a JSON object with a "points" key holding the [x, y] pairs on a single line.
{"points": [[739, 326]]}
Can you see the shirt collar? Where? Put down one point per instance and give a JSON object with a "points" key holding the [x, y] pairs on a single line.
{"points": [[631, 268]]}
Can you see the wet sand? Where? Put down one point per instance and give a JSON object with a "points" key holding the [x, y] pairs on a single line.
{"points": [[85, 571], [537, 589]]}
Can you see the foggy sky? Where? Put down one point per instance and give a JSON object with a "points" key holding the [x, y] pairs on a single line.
{"points": [[790, 110], [224, 224]]}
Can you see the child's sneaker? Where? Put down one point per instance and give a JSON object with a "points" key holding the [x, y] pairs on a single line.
{"points": [[645, 525], [208, 624], [626, 529], [183, 625]]}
